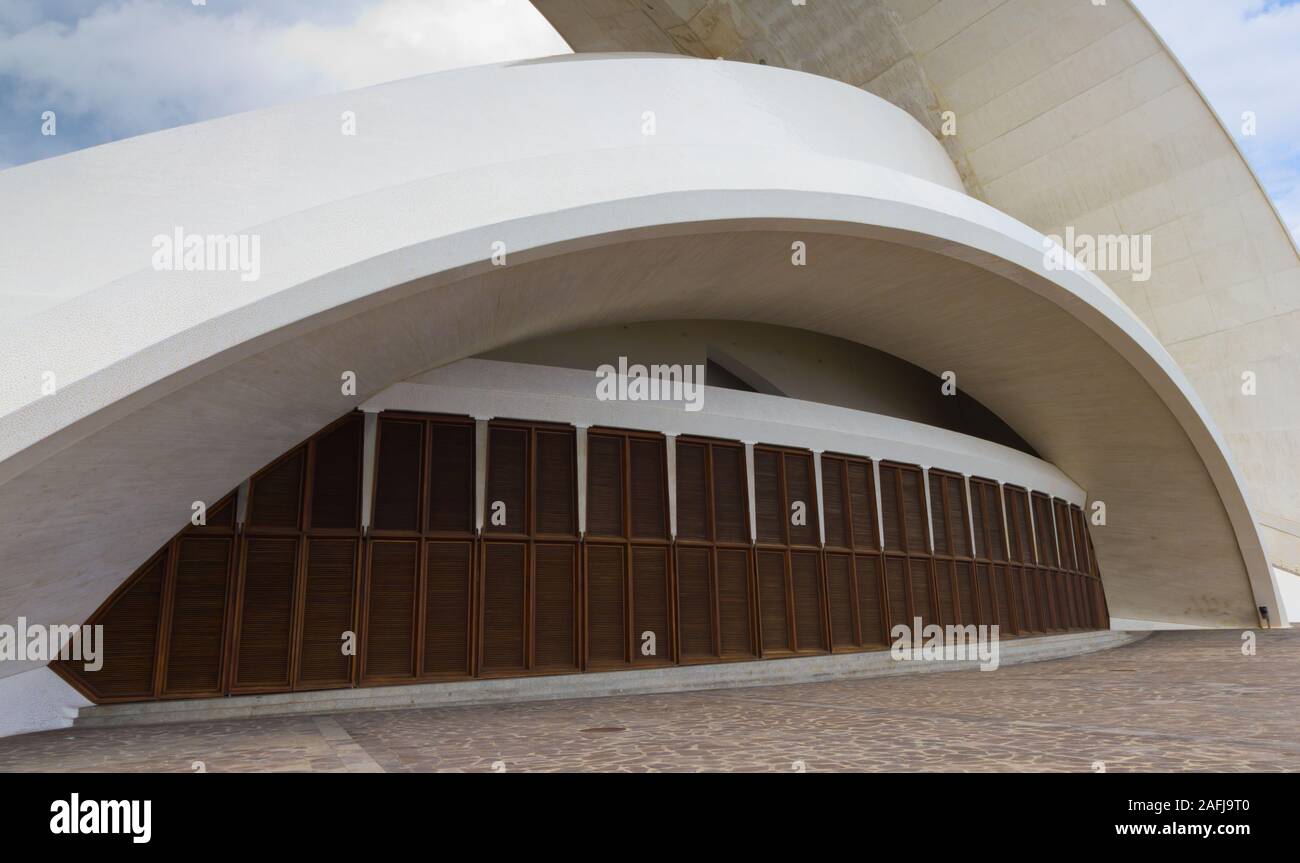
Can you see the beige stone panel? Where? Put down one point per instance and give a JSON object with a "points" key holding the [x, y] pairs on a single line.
{"points": [[1146, 208], [1284, 289], [910, 10], [1227, 264], [1000, 28], [1185, 319], [945, 20], [1172, 281], [1214, 226]]}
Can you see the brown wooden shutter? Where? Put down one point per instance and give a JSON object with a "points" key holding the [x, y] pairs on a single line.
{"points": [[734, 602], [944, 526], [327, 611], [984, 588], [772, 601], [801, 487], [768, 500], [870, 603], [336, 476], [649, 496], [837, 528], [943, 583], [692, 492], [390, 624], [397, 474], [914, 511], [448, 571], [195, 645], [650, 603], [451, 477], [730, 494], [1002, 599], [505, 574], [805, 574], [507, 478], [896, 586], [604, 485], [555, 612], [695, 602], [966, 593], [276, 494], [557, 505], [131, 621], [862, 496], [266, 612], [606, 605], [839, 587], [890, 508], [922, 601]]}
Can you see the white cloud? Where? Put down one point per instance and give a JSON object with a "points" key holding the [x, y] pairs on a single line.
{"points": [[1245, 56]]}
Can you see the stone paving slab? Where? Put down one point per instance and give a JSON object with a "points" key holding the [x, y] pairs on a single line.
{"points": [[1176, 701]]}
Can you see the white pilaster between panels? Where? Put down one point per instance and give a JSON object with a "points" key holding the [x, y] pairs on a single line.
{"points": [[370, 436], [880, 513], [670, 458], [480, 470], [582, 476], [749, 477], [821, 514], [929, 511]]}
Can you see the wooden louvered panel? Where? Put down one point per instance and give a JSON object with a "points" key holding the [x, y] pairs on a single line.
{"points": [[390, 601], [839, 596], [1079, 535], [327, 611], [266, 612], [336, 476], [1042, 590], [397, 475], [692, 491], [504, 596], [996, 529], [276, 494], [943, 581], [980, 519], [730, 495], [1028, 603], [1002, 599], [943, 526], [130, 638], [606, 605], [896, 587], [871, 620], [447, 573], [805, 576], [604, 485], [648, 500], [1044, 530], [198, 616], [922, 600], [984, 593], [959, 523], [1009, 585], [451, 477], [1076, 593], [801, 488], [734, 602], [768, 501], [1064, 540], [507, 479], [557, 484], [772, 601], [694, 602], [914, 511], [889, 508], [1068, 588], [650, 604], [555, 572], [862, 496], [223, 514], [836, 513], [968, 613]]}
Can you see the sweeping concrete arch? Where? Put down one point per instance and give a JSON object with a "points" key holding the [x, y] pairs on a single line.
{"points": [[183, 384]]}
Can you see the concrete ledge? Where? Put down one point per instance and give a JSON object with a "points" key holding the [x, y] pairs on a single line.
{"points": [[675, 679]]}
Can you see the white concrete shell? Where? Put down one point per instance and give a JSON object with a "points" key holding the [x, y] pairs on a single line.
{"points": [[1066, 113], [173, 387]]}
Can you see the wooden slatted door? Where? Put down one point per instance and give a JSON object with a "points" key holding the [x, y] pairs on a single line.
{"points": [[420, 588], [529, 610], [952, 547], [908, 586], [627, 551], [1020, 540], [791, 594], [991, 560], [714, 558], [1049, 562], [854, 594]]}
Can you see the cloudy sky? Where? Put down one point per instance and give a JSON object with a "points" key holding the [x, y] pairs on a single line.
{"points": [[116, 68]]}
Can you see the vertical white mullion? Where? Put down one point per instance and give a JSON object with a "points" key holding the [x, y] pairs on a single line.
{"points": [[1006, 519], [480, 470], [880, 509], [582, 477], [929, 511], [749, 476], [370, 437], [670, 458], [821, 514], [241, 505], [1033, 524], [970, 514]]}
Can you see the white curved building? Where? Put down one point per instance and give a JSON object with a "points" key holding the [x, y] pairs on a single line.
{"points": [[364, 336]]}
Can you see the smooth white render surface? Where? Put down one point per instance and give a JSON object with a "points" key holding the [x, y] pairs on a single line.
{"points": [[37, 700], [174, 387]]}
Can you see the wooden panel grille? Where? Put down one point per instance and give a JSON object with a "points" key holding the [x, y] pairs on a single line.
{"points": [[276, 493], [836, 512], [772, 601], [327, 610], [768, 500], [839, 588], [692, 491], [451, 481], [649, 495], [447, 575], [896, 586], [922, 601], [555, 612], [1002, 599], [606, 606], [604, 485], [195, 645], [943, 524], [130, 641], [504, 597], [266, 612], [862, 496], [730, 494], [397, 474], [805, 573], [390, 623], [695, 602], [650, 603], [984, 588], [890, 509], [871, 621], [800, 487], [557, 505], [336, 476], [966, 593], [943, 584], [507, 478], [914, 511], [733, 567]]}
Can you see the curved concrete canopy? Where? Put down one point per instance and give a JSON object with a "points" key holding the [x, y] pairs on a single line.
{"points": [[182, 384], [1067, 113]]}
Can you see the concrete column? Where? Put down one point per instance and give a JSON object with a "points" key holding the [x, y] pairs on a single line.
{"points": [[670, 457], [582, 477], [880, 514], [821, 513], [241, 505], [368, 451], [480, 470], [929, 510], [749, 475]]}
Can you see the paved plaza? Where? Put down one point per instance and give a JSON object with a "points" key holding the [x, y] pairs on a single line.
{"points": [[1174, 701]]}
